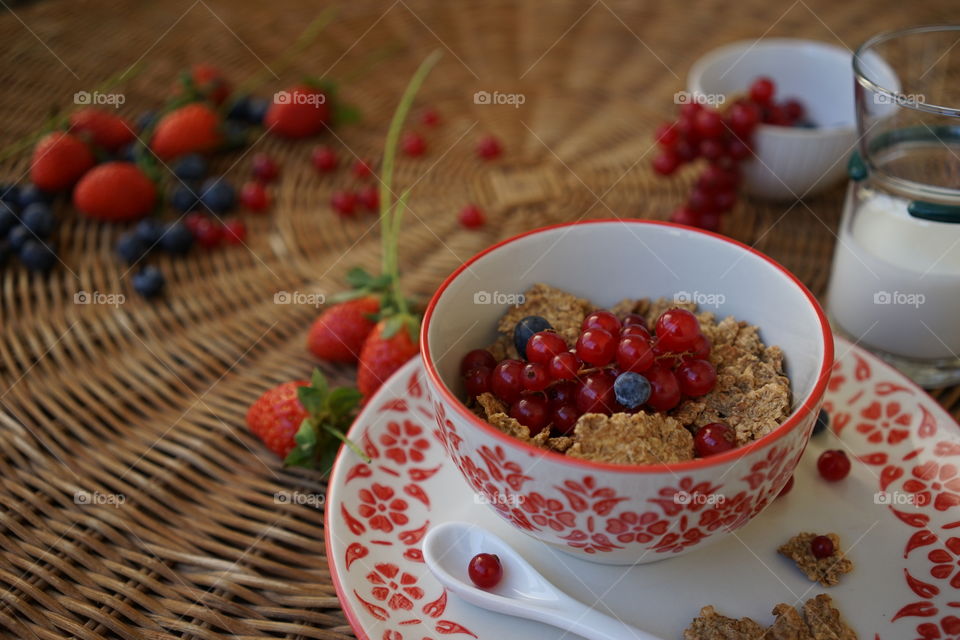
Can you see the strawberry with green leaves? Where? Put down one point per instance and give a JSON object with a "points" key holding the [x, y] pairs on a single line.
{"points": [[305, 422], [192, 128], [59, 160], [340, 331], [115, 192], [103, 129]]}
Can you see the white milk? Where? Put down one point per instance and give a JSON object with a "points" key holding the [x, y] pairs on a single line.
{"points": [[895, 283]]}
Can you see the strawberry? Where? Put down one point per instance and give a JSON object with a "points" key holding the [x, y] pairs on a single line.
{"points": [[276, 416], [59, 159], [387, 348], [298, 112], [338, 334], [210, 82], [115, 192], [104, 129], [302, 422], [189, 129]]}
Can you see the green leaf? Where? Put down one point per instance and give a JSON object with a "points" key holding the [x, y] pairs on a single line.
{"points": [[328, 455], [305, 453], [393, 325], [352, 294], [313, 400], [346, 114], [342, 401], [319, 382], [345, 440], [358, 277]]}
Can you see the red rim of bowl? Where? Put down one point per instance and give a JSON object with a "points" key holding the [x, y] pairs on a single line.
{"points": [[808, 404]]}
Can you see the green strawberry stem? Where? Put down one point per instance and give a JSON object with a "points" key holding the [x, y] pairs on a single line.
{"points": [[329, 414], [391, 211]]}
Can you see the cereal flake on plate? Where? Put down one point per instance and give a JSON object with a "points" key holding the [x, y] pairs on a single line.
{"points": [[827, 571]]}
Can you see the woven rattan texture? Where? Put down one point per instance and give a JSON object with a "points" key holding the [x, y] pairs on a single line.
{"points": [[147, 400]]}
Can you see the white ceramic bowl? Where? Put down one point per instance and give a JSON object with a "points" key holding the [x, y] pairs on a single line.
{"points": [[609, 513], [791, 162]]}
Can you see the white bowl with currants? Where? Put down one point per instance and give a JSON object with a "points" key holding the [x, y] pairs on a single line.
{"points": [[625, 390], [777, 112]]}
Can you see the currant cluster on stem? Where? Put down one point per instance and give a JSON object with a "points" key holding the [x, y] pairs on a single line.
{"points": [[724, 139], [618, 364]]}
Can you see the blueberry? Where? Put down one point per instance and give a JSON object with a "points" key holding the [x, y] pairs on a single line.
{"points": [[131, 247], [8, 219], [148, 282], [146, 120], [130, 152], [239, 109], [257, 110], [177, 239], [184, 197], [149, 231], [526, 328], [218, 195], [823, 422], [31, 193], [192, 166], [39, 219], [18, 236], [10, 195], [631, 389], [37, 256]]}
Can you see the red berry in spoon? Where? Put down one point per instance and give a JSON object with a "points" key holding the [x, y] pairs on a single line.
{"points": [[833, 465], [712, 439], [485, 570], [821, 547]]}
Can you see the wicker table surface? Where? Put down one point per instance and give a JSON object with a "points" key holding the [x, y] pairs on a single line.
{"points": [[146, 400]]}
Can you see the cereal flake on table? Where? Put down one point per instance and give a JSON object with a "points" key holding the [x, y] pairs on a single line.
{"points": [[624, 438], [827, 571], [820, 620]]}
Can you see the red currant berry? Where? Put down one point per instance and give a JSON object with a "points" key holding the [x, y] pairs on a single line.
{"points": [[254, 197], [716, 178], [344, 203], [833, 465], [701, 348], [368, 197], [664, 390], [686, 151], [564, 418], [362, 169], [192, 220], [477, 381], [821, 547], [506, 381], [762, 90], [786, 488], [635, 330], [712, 439], [477, 358], [723, 201], [738, 150], [264, 168], [687, 216], [234, 231], [709, 221], [666, 163], [472, 217], [596, 394], [634, 320], [677, 329], [696, 378], [532, 412], [597, 347], [324, 159], [430, 117], [535, 377], [634, 354], [690, 109], [488, 147], [700, 200], [666, 134], [794, 110], [563, 392], [543, 345], [485, 570], [208, 233], [601, 320], [413, 144], [744, 117], [712, 149], [709, 123], [564, 366]]}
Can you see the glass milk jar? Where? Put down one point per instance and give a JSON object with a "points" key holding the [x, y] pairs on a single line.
{"points": [[895, 282]]}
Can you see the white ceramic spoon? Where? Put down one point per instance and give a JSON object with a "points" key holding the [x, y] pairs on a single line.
{"points": [[522, 592]]}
